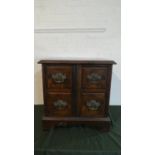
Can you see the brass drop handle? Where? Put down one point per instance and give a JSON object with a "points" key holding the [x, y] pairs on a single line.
{"points": [[94, 77], [60, 104], [93, 105], [59, 77]]}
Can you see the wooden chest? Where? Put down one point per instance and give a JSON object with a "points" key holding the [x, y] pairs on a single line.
{"points": [[76, 92]]}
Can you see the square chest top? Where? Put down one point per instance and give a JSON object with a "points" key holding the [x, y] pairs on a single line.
{"points": [[76, 61]]}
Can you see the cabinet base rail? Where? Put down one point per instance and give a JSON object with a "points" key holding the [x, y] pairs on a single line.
{"points": [[103, 123]]}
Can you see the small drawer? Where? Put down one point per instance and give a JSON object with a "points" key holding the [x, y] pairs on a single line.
{"points": [[59, 77], [94, 77], [59, 104], [92, 104]]}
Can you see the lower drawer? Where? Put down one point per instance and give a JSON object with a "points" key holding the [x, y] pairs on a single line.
{"points": [[59, 104], [92, 105]]}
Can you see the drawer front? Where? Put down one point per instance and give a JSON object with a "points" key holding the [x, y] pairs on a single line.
{"points": [[92, 104], [94, 77], [59, 104], [59, 77]]}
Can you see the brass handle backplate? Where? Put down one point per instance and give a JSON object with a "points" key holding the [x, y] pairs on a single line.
{"points": [[59, 77], [93, 105], [60, 104], [94, 77]]}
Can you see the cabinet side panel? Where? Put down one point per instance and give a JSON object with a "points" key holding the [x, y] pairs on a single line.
{"points": [[108, 89], [74, 88], [78, 89], [44, 88]]}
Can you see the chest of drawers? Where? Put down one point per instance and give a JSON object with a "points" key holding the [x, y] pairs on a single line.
{"points": [[76, 92]]}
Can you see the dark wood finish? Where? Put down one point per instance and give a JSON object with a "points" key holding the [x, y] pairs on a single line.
{"points": [[76, 92], [108, 90], [54, 110], [103, 123], [85, 110], [94, 77], [53, 84], [77, 62]]}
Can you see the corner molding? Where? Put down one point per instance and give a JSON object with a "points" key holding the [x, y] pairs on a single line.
{"points": [[71, 30]]}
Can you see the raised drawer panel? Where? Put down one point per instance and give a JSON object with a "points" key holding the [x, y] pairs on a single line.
{"points": [[94, 77], [59, 104], [59, 78], [92, 104]]}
